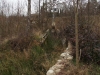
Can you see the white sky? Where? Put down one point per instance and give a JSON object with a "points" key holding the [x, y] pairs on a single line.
{"points": [[24, 4]]}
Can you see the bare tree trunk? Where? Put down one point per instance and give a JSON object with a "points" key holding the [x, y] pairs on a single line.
{"points": [[88, 11], [39, 12], [46, 12], [29, 16], [76, 34], [42, 16], [46, 7], [50, 6]]}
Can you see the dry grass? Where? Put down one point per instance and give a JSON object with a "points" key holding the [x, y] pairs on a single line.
{"points": [[34, 61], [37, 60]]}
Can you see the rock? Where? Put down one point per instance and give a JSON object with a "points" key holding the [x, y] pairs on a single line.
{"points": [[50, 72], [57, 71], [63, 56]]}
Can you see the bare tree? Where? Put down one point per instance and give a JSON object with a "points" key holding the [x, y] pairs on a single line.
{"points": [[29, 16], [88, 10], [76, 32], [39, 11]]}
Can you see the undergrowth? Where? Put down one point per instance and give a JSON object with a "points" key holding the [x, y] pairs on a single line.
{"points": [[35, 61]]}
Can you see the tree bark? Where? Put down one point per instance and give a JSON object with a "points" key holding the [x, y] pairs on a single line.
{"points": [[88, 11], [39, 12], [76, 34], [29, 16]]}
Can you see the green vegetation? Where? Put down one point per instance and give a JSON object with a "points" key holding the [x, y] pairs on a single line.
{"points": [[94, 69], [36, 61]]}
